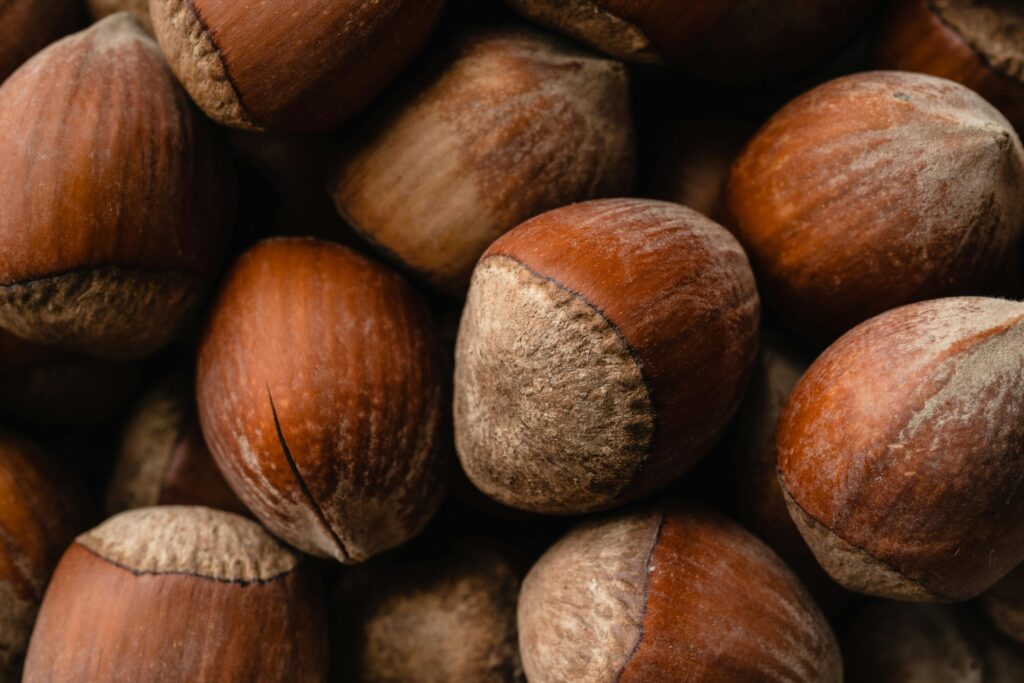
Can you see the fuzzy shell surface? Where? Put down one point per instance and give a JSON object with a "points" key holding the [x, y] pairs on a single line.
{"points": [[891, 642], [444, 614], [116, 207], [900, 449], [511, 123], [672, 592], [39, 516], [124, 601], [987, 58], [138, 8], [320, 396], [27, 26], [915, 196], [1004, 604], [603, 348], [300, 67]]}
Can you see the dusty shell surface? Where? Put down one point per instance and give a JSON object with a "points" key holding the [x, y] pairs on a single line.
{"points": [[995, 28], [900, 450], [668, 593], [916, 196], [511, 123]]}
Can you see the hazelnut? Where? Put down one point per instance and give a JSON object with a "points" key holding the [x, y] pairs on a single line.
{"points": [[602, 350], [979, 43], [320, 396], [27, 26], [113, 191], [894, 642], [1004, 604], [138, 8], [899, 451], [913, 193], [761, 503], [510, 124], [289, 66], [40, 515], [441, 614], [673, 592], [171, 594], [46, 386], [731, 40], [163, 458]]}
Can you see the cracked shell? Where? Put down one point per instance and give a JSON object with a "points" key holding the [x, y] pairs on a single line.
{"points": [[320, 396], [171, 594], [671, 592], [116, 193], [900, 451]]}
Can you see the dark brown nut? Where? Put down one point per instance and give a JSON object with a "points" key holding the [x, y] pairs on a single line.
{"points": [[510, 124], [115, 195], [163, 459], [899, 451], [913, 193], [1004, 604], [320, 395], [46, 386], [761, 503], [670, 593], [138, 8], [289, 66], [732, 40], [979, 43], [602, 350], [893, 642], [438, 614], [172, 594], [40, 513], [27, 26]]}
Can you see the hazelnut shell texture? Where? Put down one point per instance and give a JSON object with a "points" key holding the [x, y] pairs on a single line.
{"points": [[320, 395], [899, 451], [896, 642], [138, 8], [602, 349], [443, 613], [979, 43], [116, 203], [912, 194], [40, 513], [672, 592], [180, 594], [509, 124], [729, 40], [289, 66], [27, 26], [1004, 604], [163, 458]]}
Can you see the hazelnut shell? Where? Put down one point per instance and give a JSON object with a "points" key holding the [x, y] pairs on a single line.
{"points": [[27, 26]]}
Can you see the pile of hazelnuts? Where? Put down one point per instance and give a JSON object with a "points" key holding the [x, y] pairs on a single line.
{"points": [[507, 340]]}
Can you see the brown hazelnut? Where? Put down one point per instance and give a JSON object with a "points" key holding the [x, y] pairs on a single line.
{"points": [[113, 190], [440, 614], [27, 26], [913, 193], [979, 43], [602, 350], [894, 642], [47, 386], [163, 459], [673, 592], [321, 398], [40, 513], [289, 66], [138, 8], [761, 503], [510, 124], [1004, 604], [172, 594], [732, 40], [899, 451]]}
